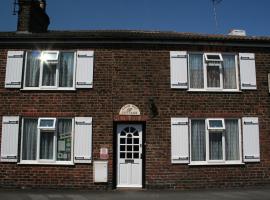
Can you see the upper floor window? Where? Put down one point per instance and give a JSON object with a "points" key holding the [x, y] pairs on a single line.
{"points": [[49, 69], [200, 71], [213, 71]]}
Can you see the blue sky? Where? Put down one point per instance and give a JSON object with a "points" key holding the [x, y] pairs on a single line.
{"points": [[164, 15]]}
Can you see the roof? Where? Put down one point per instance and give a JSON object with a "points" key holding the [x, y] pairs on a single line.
{"points": [[131, 36]]}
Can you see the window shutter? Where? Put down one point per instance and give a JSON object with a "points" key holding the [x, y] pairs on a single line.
{"points": [[179, 140], [14, 69], [247, 71], [84, 71], [83, 140], [178, 69], [9, 142], [251, 144]]}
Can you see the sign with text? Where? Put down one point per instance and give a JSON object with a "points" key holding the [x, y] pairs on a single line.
{"points": [[129, 109]]}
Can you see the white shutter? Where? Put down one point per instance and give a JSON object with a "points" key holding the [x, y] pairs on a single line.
{"points": [[247, 71], [251, 143], [9, 141], [178, 62], [14, 69], [83, 140], [84, 70], [179, 140]]}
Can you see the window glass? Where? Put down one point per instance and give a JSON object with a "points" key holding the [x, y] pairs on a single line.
{"points": [[198, 140], [32, 71], [218, 141], [232, 139], [29, 140], [215, 123], [229, 72], [49, 74], [213, 76], [66, 69], [49, 69], [196, 71], [46, 145], [64, 130], [54, 145], [46, 123], [215, 146]]}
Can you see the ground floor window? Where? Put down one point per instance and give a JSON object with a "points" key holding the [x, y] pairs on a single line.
{"points": [[216, 143], [47, 140]]}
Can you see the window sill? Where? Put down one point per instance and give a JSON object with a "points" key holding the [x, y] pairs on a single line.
{"points": [[48, 89], [46, 163], [213, 91], [216, 163]]}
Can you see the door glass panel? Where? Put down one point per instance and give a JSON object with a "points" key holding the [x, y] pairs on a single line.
{"points": [[123, 133], [135, 140], [129, 155], [136, 133], [136, 148], [132, 129], [129, 141], [122, 155], [122, 140], [135, 155], [129, 146], [122, 148]]}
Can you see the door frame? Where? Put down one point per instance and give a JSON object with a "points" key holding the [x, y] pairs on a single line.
{"points": [[114, 175]]}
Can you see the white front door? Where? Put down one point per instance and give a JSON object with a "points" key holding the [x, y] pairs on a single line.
{"points": [[129, 155]]}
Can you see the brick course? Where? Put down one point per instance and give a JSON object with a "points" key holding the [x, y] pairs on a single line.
{"points": [[135, 74]]}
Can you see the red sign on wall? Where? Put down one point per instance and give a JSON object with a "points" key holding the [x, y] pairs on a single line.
{"points": [[103, 154]]}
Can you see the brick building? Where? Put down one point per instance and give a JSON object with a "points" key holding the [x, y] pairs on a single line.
{"points": [[112, 109]]}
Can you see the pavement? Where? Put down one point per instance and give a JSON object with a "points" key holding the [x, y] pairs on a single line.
{"points": [[239, 194]]}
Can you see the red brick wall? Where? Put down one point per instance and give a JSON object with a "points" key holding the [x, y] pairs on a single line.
{"points": [[133, 75]]}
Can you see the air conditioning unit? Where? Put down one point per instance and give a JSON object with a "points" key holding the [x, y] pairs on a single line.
{"points": [[237, 32]]}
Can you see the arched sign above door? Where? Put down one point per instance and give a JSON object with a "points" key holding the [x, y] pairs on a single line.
{"points": [[129, 109]]}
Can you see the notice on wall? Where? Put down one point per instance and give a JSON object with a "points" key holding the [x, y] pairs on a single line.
{"points": [[103, 154]]}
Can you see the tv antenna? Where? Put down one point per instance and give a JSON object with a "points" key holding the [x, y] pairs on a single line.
{"points": [[15, 7], [215, 3]]}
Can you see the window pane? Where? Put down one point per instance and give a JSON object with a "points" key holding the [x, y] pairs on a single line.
{"points": [[229, 72], [232, 139], [46, 123], [215, 123], [215, 146], [49, 74], [29, 143], [66, 69], [32, 69], [213, 76], [196, 70], [46, 145], [198, 140], [64, 139]]}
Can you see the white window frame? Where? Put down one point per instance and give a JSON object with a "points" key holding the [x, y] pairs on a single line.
{"points": [[215, 129], [56, 87], [213, 60], [205, 64], [39, 161], [216, 162]]}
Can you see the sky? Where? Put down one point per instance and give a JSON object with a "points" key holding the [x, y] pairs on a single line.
{"points": [[155, 15]]}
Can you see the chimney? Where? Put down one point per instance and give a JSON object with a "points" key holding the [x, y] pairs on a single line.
{"points": [[32, 16]]}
